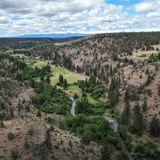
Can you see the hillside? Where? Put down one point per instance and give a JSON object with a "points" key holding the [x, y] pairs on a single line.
{"points": [[25, 132], [124, 55], [96, 97]]}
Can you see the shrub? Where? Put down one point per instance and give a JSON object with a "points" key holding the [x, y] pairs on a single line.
{"points": [[86, 137], [11, 136], [51, 128], [1, 124], [112, 139], [105, 151], [146, 150], [30, 131], [70, 143], [155, 126], [122, 156], [14, 154], [26, 144], [39, 114]]}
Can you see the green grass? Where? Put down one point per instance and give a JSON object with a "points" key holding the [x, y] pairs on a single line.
{"points": [[73, 88], [71, 77], [107, 112], [30, 61], [91, 100], [143, 55]]}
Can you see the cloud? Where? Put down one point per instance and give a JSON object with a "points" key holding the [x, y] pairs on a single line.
{"points": [[147, 6], [150, 13], [4, 20], [75, 16]]}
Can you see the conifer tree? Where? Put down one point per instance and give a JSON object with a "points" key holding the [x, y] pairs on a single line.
{"points": [[113, 92], [11, 113], [39, 114], [155, 127], [105, 152], [48, 81], [145, 106], [138, 123], [1, 124], [65, 84], [126, 96], [137, 109], [61, 79], [126, 114], [159, 89]]}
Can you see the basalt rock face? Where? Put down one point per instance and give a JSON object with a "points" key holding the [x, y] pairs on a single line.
{"points": [[43, 149]]}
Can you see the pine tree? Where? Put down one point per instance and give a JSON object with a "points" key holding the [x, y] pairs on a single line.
{"points": [[39, 114], [159, 89], [138, 123], [42, 78], [155, 127], [75, 96], [126, 114], [61, 79], [1, 124], [111, 70], [126, 96], [113, 92], [65, 84], [48, 81], [149, 80], [137, 109], [11, 113], [19, 106], [106, 152], [145, 106]]}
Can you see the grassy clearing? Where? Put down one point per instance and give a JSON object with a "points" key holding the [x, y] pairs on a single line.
{"points": [[91, 100], [73, 88], [71, 77]]}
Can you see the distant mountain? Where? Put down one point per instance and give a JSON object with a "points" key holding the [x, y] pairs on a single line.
{"points": [[54, 35]]}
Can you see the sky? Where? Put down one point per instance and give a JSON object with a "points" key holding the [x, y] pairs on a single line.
{"points": [[27, 17]]}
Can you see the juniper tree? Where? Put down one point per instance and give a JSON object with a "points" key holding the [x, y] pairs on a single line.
{"points": [[61, 79], [65, 84], [145, 106], [125, 118], [1, 124], [11, 113], [113, 92], [126, 96], [106, 151], [158, 89], [155, 127], [48, 81], [39, 114], [137, 109], [138, 123], [42, 78], [149, 80]]}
